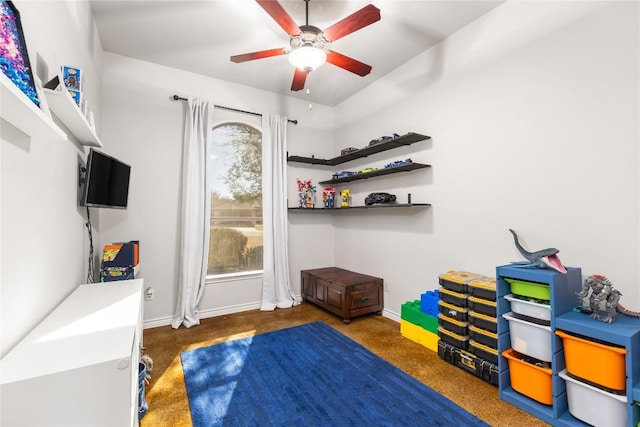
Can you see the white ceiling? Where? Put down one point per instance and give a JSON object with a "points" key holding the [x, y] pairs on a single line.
{"points": [[200, 36]]}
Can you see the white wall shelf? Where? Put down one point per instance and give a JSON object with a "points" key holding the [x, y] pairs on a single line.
{"points": [[22, 113], [63, 106]]}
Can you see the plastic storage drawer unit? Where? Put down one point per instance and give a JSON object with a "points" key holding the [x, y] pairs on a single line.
{"points": [[454, 311], [460, 341], [483, 351], [593, 405], [600, 364], [483, 288], [457, 281], [452, 297], [526, 307], [529, 338], [482, 305], [478, 366], [447, 352], [531, 380], [488, 323], [453, 325], [483, 336], [535, 290]]}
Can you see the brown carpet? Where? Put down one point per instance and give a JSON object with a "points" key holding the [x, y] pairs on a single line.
{"points": [[166, 394]]}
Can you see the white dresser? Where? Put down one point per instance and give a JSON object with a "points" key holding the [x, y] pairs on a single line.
{"points": [[79, 367]]}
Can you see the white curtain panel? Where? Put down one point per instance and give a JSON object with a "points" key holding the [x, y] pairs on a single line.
{"points": [[194, 236], [276, 286]]}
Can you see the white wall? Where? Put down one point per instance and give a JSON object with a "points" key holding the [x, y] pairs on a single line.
{"points": [[534, 114], [44, 241], [143, 127], [533, 110]]}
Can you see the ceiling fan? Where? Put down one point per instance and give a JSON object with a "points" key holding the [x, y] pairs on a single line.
{"points": [[309, 44]]}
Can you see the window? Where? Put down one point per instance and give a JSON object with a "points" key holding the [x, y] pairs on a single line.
{"points": [[235, 243]]}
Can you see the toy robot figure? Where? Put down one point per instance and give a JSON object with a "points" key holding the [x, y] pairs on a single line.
{"points": [[600, 290], [345, 195], [328, 197]]}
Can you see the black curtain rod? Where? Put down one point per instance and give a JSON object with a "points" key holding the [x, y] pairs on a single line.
{"points": [[222, 107]]}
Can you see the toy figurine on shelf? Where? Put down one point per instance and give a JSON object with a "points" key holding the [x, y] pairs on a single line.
{"points": [[306, 194], [599, 290], [345, 195], [329, 197], [544, 258]]}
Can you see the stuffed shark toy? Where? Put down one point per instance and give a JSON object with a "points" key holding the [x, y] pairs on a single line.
{"points": [[545, 258]]}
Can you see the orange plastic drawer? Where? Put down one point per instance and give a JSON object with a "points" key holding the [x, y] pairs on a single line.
{"points": [[530, 380], [580, 354]]}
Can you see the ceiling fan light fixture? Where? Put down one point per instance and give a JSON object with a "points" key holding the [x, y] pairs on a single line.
{"points": [[307, 57]]}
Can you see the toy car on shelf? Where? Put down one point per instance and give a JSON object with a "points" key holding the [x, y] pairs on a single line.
{"points": [[342, 174], [379, 199], [365, 170], [398, 163], [382, 139], [347, 150]]}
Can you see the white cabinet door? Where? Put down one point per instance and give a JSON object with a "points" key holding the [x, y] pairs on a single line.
{"points": [[80, 365]]}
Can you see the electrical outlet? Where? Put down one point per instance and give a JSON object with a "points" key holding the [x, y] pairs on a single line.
{"points": [[148, 294], [386, 286]]}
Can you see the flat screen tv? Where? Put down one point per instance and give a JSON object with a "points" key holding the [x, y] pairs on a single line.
{"points": [[106, 182]]}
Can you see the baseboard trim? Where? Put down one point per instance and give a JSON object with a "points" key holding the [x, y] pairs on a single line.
{"points": [[164, 321], [391, 315]]}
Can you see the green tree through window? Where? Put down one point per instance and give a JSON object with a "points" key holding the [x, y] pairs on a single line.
{"points": [[235, 244]]}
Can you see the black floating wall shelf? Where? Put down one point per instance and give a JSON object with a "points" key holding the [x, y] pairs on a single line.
{"points": [[377, 172], [388, 206], [406, 139]]}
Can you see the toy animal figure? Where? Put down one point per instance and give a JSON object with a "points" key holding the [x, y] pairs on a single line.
{"points": [[544, 258], [345, 195], [602, 290]]}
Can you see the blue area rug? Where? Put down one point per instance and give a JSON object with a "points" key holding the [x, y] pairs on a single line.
{"points": [[308, 375]]}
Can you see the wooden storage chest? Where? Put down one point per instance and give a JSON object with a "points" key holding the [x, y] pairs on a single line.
{"points": [[343, 292]]}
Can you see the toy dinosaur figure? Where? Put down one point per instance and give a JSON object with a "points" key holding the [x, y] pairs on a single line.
{"points": [[545, 258], [602, 290]]}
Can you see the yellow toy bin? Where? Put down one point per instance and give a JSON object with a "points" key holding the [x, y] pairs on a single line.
{"points": [[531, 380], [579, 354], [417, 334]]}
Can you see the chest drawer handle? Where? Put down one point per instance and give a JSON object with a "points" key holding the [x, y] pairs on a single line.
{"points": [[365, 299]]}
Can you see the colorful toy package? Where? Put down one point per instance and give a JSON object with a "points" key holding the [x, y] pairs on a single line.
{"points": [[72, 77], [306, 194]]}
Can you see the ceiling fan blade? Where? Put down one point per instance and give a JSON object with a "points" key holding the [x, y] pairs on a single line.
{"points": [[258, 55], [360, 19], [347, 63], [299, 77], [277, 12]]}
